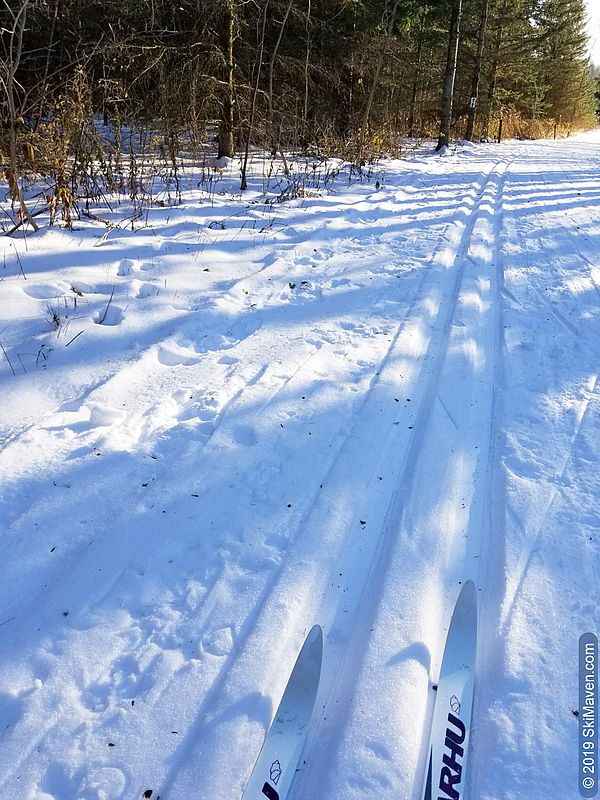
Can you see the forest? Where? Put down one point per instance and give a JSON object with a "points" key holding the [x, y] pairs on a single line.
{"points": [[85, 82]]}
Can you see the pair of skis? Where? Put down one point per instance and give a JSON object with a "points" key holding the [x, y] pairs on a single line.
{"points": [[447, 752]]}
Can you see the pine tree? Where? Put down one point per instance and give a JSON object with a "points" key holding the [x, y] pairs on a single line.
{"points": [[561, 46]]}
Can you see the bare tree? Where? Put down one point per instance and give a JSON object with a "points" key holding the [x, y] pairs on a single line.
{"points": [[14, 96], [226, 143], [416, 75], [274, 134], [258, 65], [306, 71]]}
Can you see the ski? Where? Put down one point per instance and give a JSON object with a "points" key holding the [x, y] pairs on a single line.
{"points": [[450, 728], [276, 763]]}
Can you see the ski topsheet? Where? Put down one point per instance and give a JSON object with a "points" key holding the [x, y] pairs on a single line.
{"points": [[276, 764], [450, 729]]}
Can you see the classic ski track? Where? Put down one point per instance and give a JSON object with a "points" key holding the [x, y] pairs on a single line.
{"points": [[370, 593], [485, 533], [499, 600], [269, 590], [486, 538], [270, 586], [491, 589]]}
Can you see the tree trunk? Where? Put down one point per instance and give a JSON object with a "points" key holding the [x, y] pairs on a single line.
{"points": [[226, 145], [14, 57], [261, 47], [448, 93], [415, 86], [274, 136], [493, 75], [306, 81], [477, 72]]}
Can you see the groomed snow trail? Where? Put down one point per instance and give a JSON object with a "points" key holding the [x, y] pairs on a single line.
{"points": [[330, 411]]}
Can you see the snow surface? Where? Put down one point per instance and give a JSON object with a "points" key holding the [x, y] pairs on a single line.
{"points": [[244, 417]]}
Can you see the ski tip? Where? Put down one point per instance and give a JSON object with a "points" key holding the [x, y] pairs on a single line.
{"points": [[468, 595], [315, 635], [313, 645]]}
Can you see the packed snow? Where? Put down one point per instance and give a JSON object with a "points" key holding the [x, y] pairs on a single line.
{"points": [[327, 403]]}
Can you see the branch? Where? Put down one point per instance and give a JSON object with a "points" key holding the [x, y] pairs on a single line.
{"points": [[25, 219]]}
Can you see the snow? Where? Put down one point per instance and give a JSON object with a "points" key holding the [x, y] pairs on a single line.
{"points": [[243, 417]]}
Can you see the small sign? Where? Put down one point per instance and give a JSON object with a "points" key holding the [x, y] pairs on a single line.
{"points": [[473, 102]]}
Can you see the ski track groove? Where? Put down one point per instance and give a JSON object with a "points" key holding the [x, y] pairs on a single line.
{"points": [[491, 590], [484, 536], [269, 590], [351, 658]]}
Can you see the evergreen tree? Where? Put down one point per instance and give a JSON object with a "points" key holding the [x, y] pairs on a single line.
{"points": [[561, 59], [338, 75]]}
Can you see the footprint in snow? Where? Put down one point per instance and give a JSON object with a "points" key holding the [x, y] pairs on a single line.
{"points": [[110, 316], [173, 355], [102, 782], [301, 292], [126, 266], [520, 468], [229, 360], [244, 435], [378, 750], [219, 642], [143, 290], [278, 541], [336, 282], [102, 416], [47, 291], [85, 418]]}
